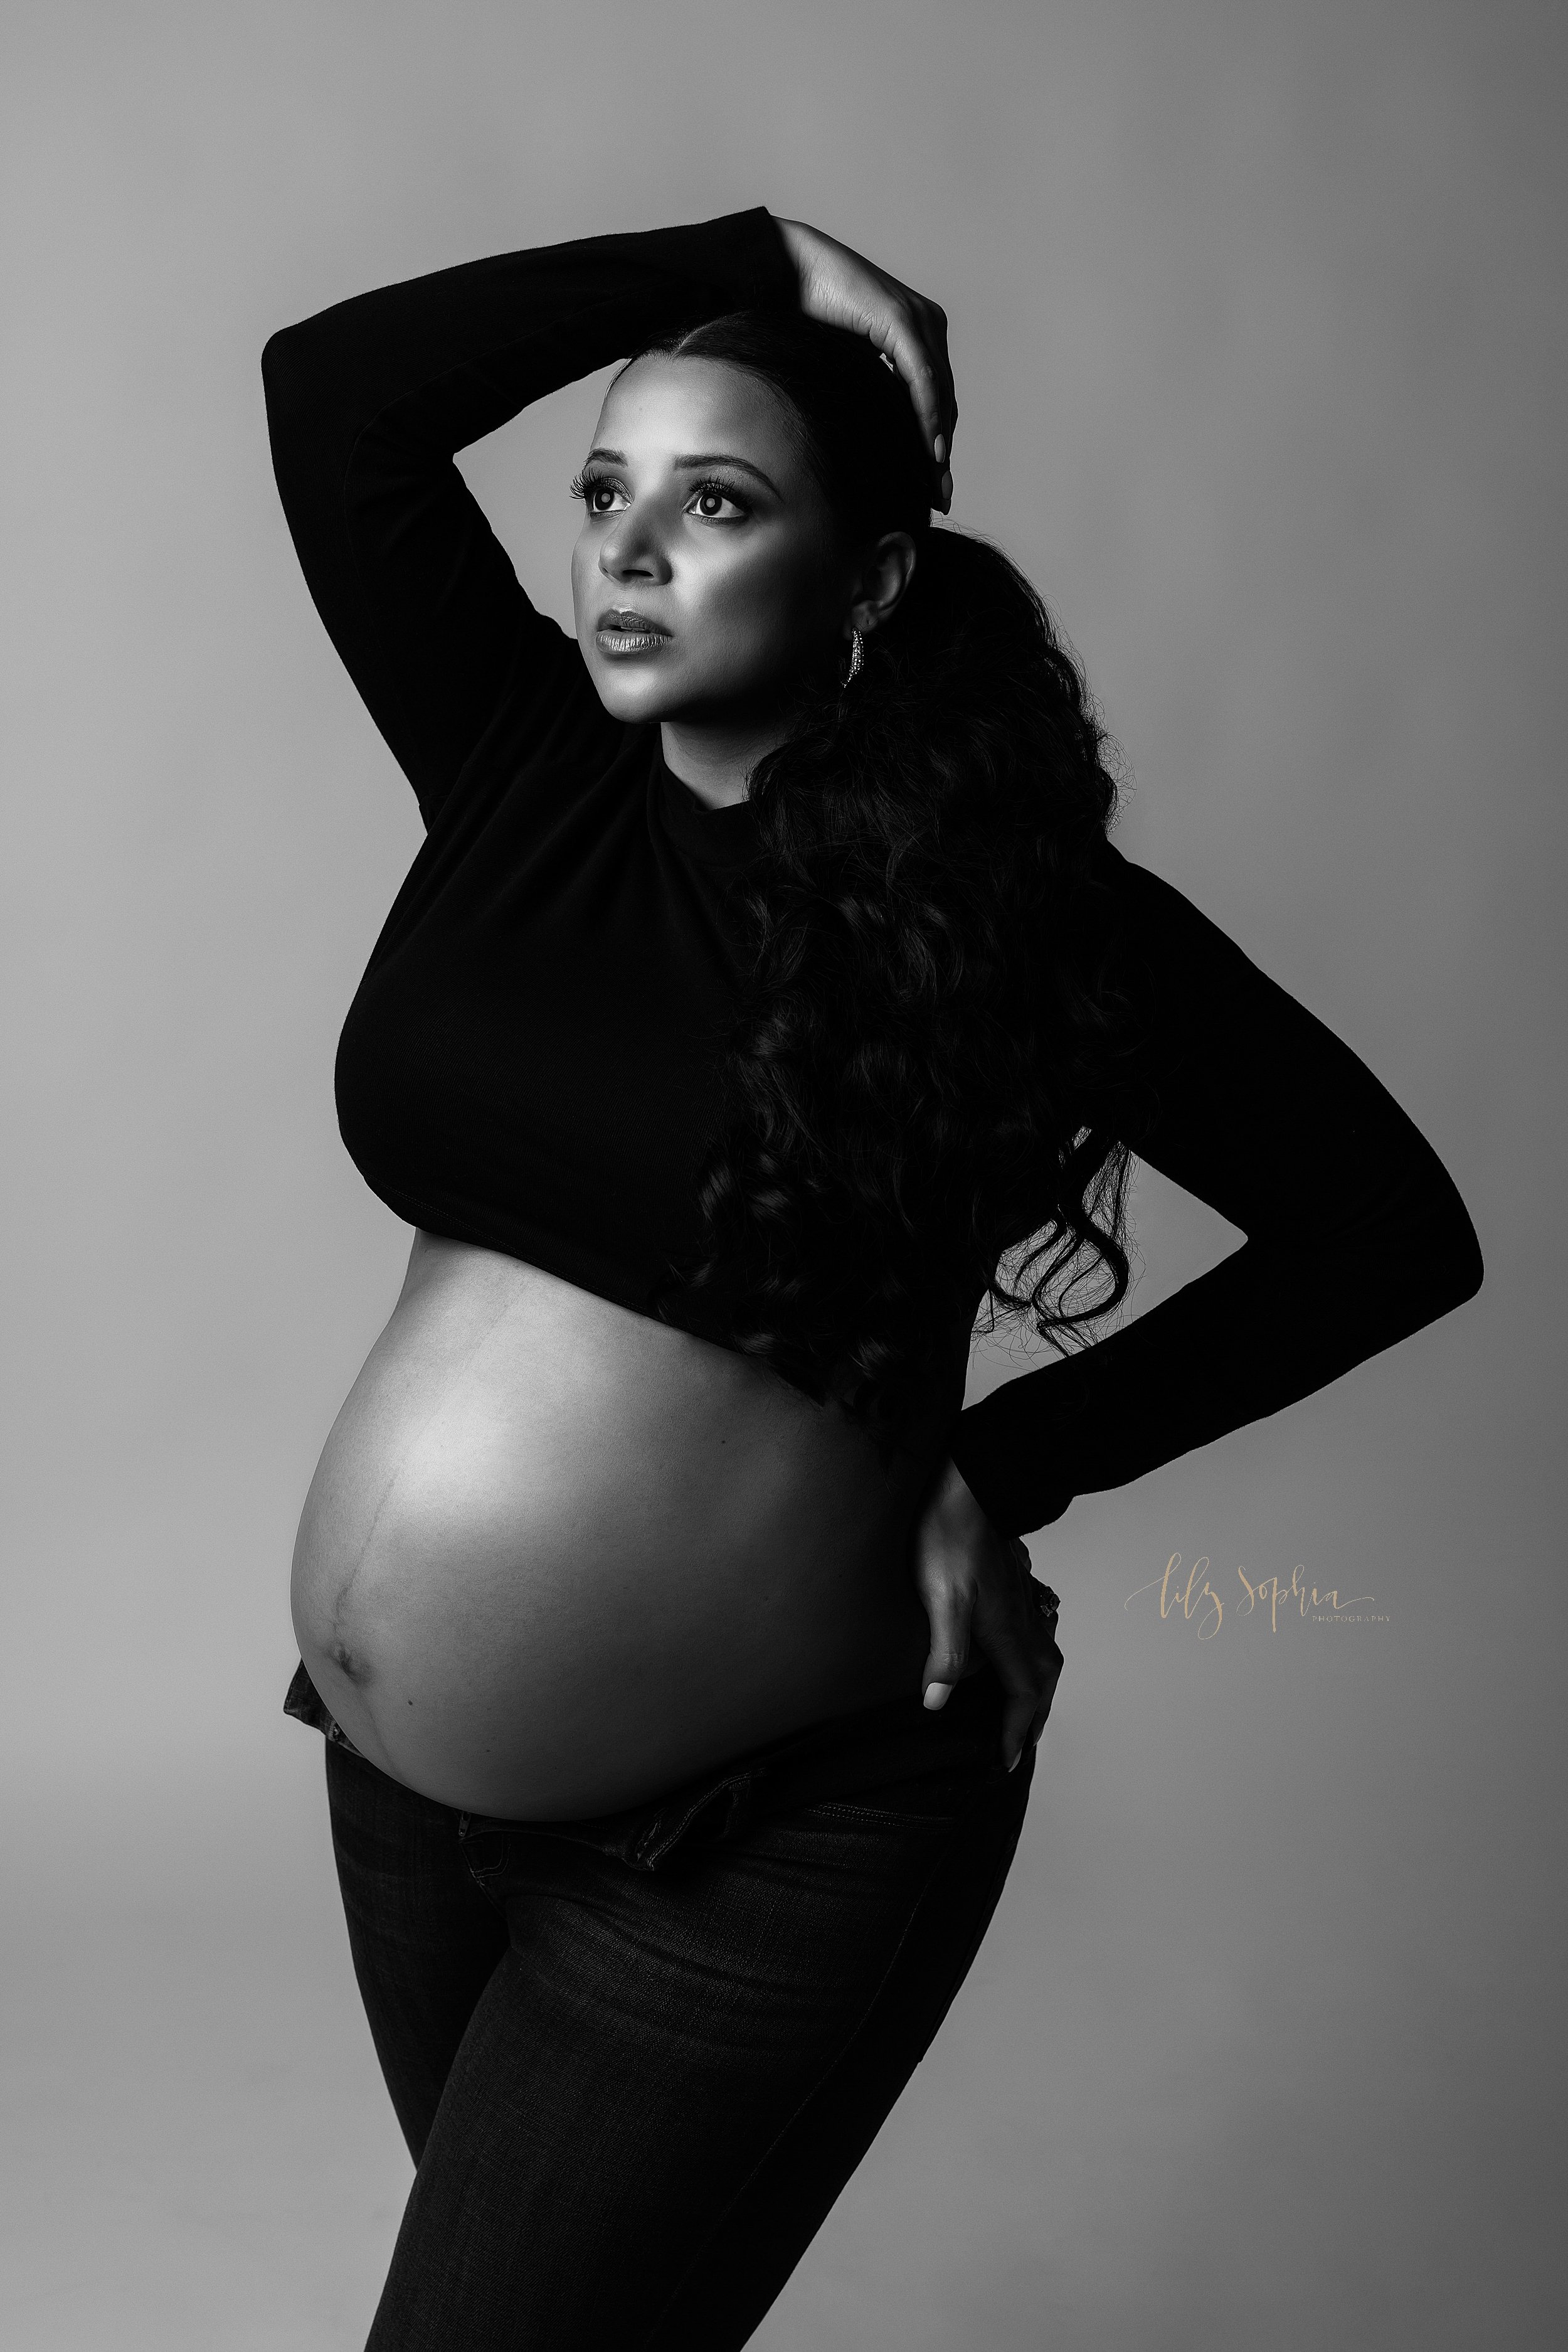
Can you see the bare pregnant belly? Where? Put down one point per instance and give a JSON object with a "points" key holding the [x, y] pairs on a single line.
{"points": [[557, 1558]]}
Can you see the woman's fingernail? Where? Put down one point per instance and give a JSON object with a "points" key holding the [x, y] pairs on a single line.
{"points": [[939, 448], [938, 1694], [1017, 1759]]}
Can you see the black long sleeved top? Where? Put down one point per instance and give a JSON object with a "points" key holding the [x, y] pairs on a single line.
{"points": [[529, 1063]]}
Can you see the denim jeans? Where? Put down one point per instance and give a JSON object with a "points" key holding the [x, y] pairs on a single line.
{"points": [[636, 2059]]}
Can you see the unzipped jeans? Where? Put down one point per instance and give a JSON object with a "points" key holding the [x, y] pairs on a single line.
{"points": [[636, 2059]]}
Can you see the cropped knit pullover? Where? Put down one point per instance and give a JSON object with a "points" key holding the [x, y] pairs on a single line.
{"points": [[530, 1062]]}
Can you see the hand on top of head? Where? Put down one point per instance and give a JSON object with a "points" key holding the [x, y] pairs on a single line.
{"points": [[844, 289]]}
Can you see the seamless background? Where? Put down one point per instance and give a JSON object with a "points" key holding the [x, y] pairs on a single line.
{"points": [[1258, 313]]}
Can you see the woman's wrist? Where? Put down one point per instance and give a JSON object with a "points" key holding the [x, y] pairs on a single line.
{"points": [[797, 239], [955, 1508]]}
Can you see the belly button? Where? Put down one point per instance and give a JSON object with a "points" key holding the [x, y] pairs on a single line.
{"points": [[352, 1669]]}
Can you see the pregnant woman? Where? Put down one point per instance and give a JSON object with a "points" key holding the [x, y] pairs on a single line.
{"points": [[765, 1002]]}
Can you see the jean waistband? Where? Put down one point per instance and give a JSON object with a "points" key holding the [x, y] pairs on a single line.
{"points": [[847, 1757], [305, 1703]]}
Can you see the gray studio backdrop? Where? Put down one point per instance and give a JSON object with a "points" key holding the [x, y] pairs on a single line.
{"points": [[1259, 321]]}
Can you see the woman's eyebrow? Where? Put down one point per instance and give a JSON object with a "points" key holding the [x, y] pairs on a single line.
{"points": [[690, 465], [723, 457]]}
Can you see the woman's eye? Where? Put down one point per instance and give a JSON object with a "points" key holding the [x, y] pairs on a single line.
{"points": [[599, 493], [602, 494], [713, 503]]}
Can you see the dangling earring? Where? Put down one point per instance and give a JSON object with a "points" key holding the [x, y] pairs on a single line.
{"points": [[857, 654]]}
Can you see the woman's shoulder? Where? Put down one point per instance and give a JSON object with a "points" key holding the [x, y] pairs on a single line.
{"points": [[1178, 993], [1154, 930]]}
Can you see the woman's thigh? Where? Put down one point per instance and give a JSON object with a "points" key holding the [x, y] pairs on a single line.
{"points": [[426, 1942], [670, 2077]]}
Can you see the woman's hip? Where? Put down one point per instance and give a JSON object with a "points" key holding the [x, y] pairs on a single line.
{"points": [[696, 2022], [772, 1897]]}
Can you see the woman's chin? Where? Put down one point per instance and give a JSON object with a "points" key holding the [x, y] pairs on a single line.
{"points": [[641, 690], [631, 691]]}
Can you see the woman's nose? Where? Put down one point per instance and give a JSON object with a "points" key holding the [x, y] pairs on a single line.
{"points": [[633, 550]]}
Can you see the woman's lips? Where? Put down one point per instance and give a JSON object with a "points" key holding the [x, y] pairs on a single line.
{"points": [[620, 634]]}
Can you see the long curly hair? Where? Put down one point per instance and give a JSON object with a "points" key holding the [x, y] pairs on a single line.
{"points": [[927, 1003]]}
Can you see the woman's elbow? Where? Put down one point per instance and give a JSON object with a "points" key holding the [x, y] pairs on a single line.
{"points": [[284, 370], [1452, 1250], [1470, 1267]]}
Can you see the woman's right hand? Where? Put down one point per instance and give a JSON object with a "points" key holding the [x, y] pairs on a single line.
{"points": [[844, 289], [984, 1606]]}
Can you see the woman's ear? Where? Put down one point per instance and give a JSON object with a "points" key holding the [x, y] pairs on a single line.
{"points": [[884, 578]]}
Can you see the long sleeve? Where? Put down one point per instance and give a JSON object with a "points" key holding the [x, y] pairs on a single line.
{"points": [[1356, 1236], [367, 403]]}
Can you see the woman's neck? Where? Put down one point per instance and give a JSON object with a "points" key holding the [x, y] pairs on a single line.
{"points": [[714, 760]]}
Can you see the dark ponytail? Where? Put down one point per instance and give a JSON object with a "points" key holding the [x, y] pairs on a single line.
{"points": [[926, 1009]]}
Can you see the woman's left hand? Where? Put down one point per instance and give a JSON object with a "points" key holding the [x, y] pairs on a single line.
{"points": [[984, 1607], [844, 290]]}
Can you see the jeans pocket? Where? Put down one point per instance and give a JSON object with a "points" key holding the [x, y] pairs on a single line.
{"points": [[485, 1853]]}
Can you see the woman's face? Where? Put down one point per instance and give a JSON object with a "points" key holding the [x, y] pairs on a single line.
{"points": [[707, 573]]}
